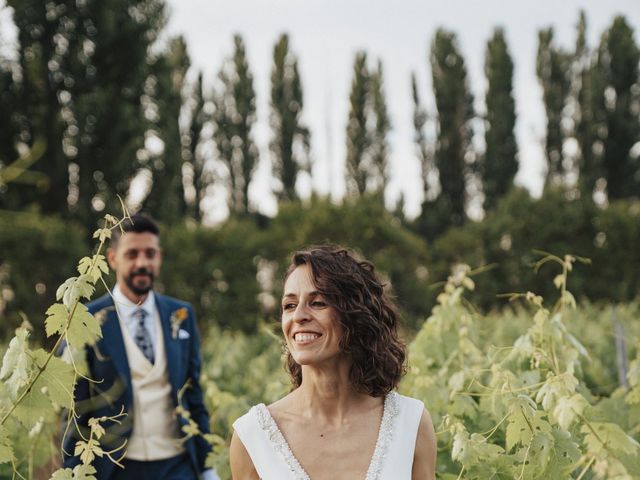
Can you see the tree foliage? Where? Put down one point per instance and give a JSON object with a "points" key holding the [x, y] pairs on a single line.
{"points": [[552, 68], [453, 154], [617, 63], [500, 163], [81, 70], [233, 118], [192, 150], [358, 135], [290, 144], [165, 90], [423, 148]]}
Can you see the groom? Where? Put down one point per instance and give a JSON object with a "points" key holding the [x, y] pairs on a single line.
{"points": [[149, 351]]}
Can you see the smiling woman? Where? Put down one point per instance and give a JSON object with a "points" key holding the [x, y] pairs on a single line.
{"points": [[343, 419]]}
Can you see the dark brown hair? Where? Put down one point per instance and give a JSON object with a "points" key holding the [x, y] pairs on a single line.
{"points": [[368, 317], [137, 223]]}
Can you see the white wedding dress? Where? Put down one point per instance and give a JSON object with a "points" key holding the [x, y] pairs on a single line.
{"points": [[392, 458]]}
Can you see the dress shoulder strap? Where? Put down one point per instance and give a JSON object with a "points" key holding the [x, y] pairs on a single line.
{"points": [[254, 436], [399, 458]]}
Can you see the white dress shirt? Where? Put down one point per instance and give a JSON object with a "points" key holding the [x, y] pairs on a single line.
{"points": [[126, 309]]}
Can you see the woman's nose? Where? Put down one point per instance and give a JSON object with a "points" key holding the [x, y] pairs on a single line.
{"points": [[301, 313]]}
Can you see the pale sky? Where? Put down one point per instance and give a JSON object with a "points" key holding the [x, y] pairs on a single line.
{"points": [[325, 34]]}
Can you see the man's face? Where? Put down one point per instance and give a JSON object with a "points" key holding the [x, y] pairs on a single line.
{"points": [[136, 259]]}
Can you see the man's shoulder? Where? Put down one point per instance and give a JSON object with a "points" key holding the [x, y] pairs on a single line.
{"points": [[171, 301], [101, 303]]}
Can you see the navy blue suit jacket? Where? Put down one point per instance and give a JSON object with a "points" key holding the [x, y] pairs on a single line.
{"points": [[111, 390]]}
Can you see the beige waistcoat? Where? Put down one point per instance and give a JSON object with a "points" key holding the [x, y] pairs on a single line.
{"points": [[156, 431]]}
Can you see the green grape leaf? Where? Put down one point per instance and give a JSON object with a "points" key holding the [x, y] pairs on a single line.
{"points": [[96, 429], [62, 474], [463, 405], [523, 425], [470, 450], [84, 328], [568, 299], [518, 431], [556, 387], [93, 266], [80, 472], [612, 436], [111, 219], [84, 472], [88, 451], [6, 450], [540, 451], [57, 316], [462, 449], [564, 454], [35, 406], [191, 429], [16, 362], [558, 281], [468, 284], [103, 234], [75, 288], [568, 409], [57, 380]]}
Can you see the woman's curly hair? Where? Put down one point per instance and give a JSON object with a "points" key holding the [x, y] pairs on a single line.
{"points": [[369, 318]]}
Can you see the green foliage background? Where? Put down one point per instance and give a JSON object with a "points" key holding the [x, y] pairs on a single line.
{"points": [[231, 273]]}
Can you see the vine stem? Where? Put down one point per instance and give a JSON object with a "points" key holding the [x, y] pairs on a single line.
{"points": [[595, 434], [53, 351], [586, 468]]}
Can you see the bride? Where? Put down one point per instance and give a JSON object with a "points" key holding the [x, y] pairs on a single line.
{"points": [[343, 419]]}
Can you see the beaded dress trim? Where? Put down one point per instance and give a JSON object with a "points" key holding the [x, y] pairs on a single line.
{"points": [[280, 445]]}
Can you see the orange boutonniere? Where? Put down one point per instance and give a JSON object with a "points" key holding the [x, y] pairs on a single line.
{"points": [[177, 318]]}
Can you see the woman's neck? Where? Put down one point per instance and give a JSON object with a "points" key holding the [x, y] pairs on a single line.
{"points": [[327, 393]]}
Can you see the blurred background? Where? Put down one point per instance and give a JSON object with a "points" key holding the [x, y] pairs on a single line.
{"points": [[423, 136]]}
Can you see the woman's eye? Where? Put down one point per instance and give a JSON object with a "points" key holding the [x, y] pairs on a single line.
{"points": [[288, 306], [318, 304]]}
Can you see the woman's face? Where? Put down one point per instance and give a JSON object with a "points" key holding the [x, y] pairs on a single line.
{"points": [[310, 326]]}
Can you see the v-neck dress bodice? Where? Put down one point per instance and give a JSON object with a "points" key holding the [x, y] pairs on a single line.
{"points": [[392, 458]]}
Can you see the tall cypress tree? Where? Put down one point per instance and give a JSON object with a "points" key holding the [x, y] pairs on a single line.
{"points": [[588, 95], [192, 151], [500, 163], [234, 116], [552, 68], [617, 63], [290, 142], [165, 200], [454, 103], [425, 155], [381, 128], [358, 136]]}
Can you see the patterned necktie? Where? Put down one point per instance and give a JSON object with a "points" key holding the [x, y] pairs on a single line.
{"points": [[142, 336]]}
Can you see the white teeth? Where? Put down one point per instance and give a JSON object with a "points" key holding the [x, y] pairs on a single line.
{"points": [[305, 337]]}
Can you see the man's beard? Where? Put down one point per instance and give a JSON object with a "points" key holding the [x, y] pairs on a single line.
{"points": [[135, 288]]}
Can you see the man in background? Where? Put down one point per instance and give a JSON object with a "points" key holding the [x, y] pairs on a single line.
{"points": [[148, 354]]}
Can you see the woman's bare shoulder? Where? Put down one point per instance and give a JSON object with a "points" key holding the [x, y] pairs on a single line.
{"points": [[424, 460], [241, 465]]}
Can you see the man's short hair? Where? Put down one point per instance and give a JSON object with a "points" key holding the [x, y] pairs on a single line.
{"points": [[138, 223]]}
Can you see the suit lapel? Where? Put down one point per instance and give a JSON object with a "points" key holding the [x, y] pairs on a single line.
{"points": [[171, 347], [113, 347]]}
